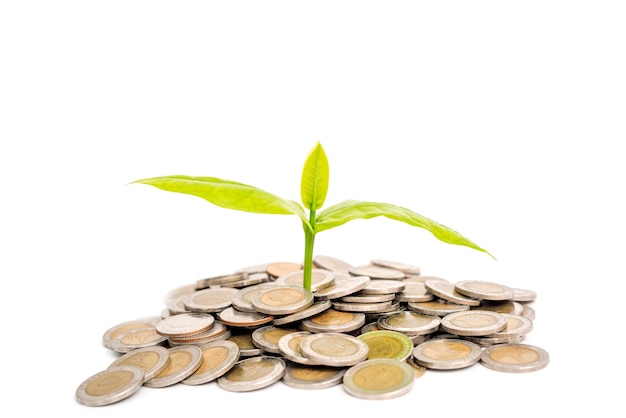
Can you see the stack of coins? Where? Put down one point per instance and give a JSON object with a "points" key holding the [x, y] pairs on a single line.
{"points": [[354, 321]]}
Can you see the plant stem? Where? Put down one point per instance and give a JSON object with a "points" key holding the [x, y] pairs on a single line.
{"points": [[309, 241]]}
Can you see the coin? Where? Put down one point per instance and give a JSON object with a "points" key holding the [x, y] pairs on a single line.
{"points": [[320, 279], [243, 339], [110, 385], [447, 354], [516, 325], [266, 338], [281, 299], [235, 318], [279, 268], [186, 324], [344, 285], [380, 378], [252, 279], [483, 290], [473, 323], [333, 321], [514, 358], [241, 299], [219, 280], [446, 290], [364, 307], [365, 298], [528, 312], [289, 346], [301, 376], [137, 338], [334, 349], [210, 300], [419, 369], [253, 373], [217, 331], [387, 344], [380, 286], [377, 272], [176, 306], [395, 265], [409, 322], [414, 292], [332, 264], [124, 327], [254, 268], [152, 360], [523, 295], [314, 309], [505, 306], [439, 307], [217, 358], [184, 360]]}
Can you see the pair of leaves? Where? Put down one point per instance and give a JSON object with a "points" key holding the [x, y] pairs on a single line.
{"points": [[314, 187]]}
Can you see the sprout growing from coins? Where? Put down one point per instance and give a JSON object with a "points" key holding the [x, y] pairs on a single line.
{"points": [[314, 186]]}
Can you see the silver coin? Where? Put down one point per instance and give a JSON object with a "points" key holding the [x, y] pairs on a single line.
{"points": [[151, 359], [210, 300], [484, 290], [414, 292], [235, 318], [186, 324], [447, 354], [110, 385], [289, 346], [514, 358], [124, 327], [409, 322], [395, 265], [439, 307], [380, 378], [314, 309], [176, 306], [331, 263], [184, 361], [523, 295], [380, 286], [137, 338], [344, 285], [473, 323], [266, 338], [320, 279], [217, 358], [179, 292], [446, 290], [422, 279], [251, 280], [281, 299], [334, 349], [241, 299], [253, 373], [219, 280], [310, 377], [332, 320], [377, 272]]}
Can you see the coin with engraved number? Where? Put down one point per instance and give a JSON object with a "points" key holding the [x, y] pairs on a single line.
{"points": [[184, 325], [110, 385], [396, 265], [473, 323], [210, 300], [514, 358], [217, 358], [281, 299], [483, 290], [446, 290], [253, 373], [387, 344], [380, 378], [334, 349], [332, 264], [151, 359], [447, 353], [184, 361], [301, 376]]}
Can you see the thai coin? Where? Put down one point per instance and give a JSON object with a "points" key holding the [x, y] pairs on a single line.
{"points": [[523, 295], [185, 325], [301, 376], [175, 305], [344, 285], [334, 349], [514, 358], [377, 272], [333, 321], [419, 369], [440, 307], [414, 292], [380, 378], [241, 299], [289, 346], [489, 341], [369, 327], [200, 342], [332, 264], [151, 359], [505, 306], [516, 325], [138, 338], [235, 318], [528, 312], [387, 344], [110, 385], [124, 327], [447, 354], [176, 293], [365, 298], [380, 286], [254, 268], [395, 265], [184, 361], [281, 299], [483, 290], [210, 300], [217, 331], [251, 280], [422, 279], [314, 309], [245, 344], [280, 268], [253, 373], [447, 291], [266, 338], [363, 307], [320, 279], [219, 280], [217, 358], [409, 322], [473, 323]]}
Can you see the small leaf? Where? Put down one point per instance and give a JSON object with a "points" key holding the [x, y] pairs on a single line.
{"points": [[353, 209], [315, 175], [228, 194]]}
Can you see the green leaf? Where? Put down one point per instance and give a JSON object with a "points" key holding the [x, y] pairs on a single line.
{"points": [[228, 194], [353, 209], [315, 175]]}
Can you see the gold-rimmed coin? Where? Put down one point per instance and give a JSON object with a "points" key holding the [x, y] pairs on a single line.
{"points": [[380, 378], [473, 323], [387, 344], [334, 349], [447, 353], [514, 358], [301, 376], [253, 373], [184, 360], [484, 290], [151, 359], [217, 358], [110, 385], [281, 299]]}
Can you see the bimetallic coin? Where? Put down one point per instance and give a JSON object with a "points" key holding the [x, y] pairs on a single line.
{"points": [[344, 285], [332, 264], [483, 290], [289, 346], [333, 321], [266, 338], [439, 307], [184, 325], [217, 331], [280, 268], [253, 373], [241, 299], [447, 354], [516, 325], [254, 268], [380, 378], [151, 359], [414, 292], [138, 338], [314, 309], [473, 323], [377, 272], [489, 341], [110, 385], [387, 344], [422, 279], [334, 349], [251, 280], [176, 306], [446, 290], [235, 318], [514, 358], [179, 292], [364, 307], [210, 300], [217, 358], [219, 280], [372, 326], [365, 298], [124, 327], [281, 299], [184, 361], [300, 376], [320, 279], [380, 286], [419, 369], [409, 322], [528, 312], [245, 344], [505, 306], [523, 295], [395, 265]]}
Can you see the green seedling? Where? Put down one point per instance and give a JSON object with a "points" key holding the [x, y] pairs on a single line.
{"points": [[314, 186]]}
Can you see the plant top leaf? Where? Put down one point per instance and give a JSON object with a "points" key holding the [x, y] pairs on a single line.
{"points": [[315, 177], [348, 210]]}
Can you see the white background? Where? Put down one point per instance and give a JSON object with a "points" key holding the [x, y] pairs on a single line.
{"points": [[502, 120]]}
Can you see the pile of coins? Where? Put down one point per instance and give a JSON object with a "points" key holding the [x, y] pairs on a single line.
{"points": [[373, 328]]}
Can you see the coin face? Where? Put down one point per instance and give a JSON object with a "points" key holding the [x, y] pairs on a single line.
{"points": [[278, 269], [446, 290], [184, 360], [301, 376], [387, 344], [281, 299], [334, 349], [439, 307], [473, 323], [253, 373], [377, 272], [484, 290], [344, 285], [185, 324], [137, 338], [289, 346], [125, 327], [210, 300], [266, 338], [514, 358], [377, 286], [379, 379], [409, 322], [447, 354], [331, 263], [316, 308], [235, 318], [333, 321], [320, 279], [152, 360], [110, 385], [217, 358]]}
